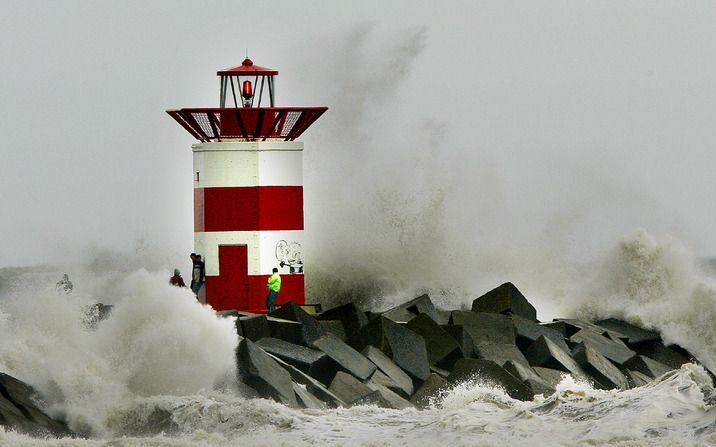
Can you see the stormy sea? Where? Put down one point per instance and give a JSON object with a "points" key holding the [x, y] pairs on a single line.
{"points": [[160, 371]]}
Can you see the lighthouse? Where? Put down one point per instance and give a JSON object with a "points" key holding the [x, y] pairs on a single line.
{"points": [[248, 189]]}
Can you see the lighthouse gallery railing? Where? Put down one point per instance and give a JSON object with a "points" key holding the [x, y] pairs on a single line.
{"points": [[247, 123]]}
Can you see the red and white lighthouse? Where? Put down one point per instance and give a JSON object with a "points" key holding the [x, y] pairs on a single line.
{"points": [[248, 189]]}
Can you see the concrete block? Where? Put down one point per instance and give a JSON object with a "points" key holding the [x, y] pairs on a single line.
{"points": [[648, 367], [614, 351], [421, 305], [657, 351], [291, 311], [389, 368], [529, 377], [373, 398], [311, 361], [500, 353], [443, 350], [544, 352], [444, 373], [636, 379], [351, 318], [348, 388], [403, 346], [505, 299], [634, 334], [485, 327], [489, 372], [347, 357], [307, 399], [430, 390], [462, 337], [605, 374], [529, 331], [255, 327], [262, 373], [312, 385], [380, 378], [389, 397], [552, 376], [287, 330], [335, 327]]}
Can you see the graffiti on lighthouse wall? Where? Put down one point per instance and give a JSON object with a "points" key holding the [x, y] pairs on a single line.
{"points": [[289, 255]]}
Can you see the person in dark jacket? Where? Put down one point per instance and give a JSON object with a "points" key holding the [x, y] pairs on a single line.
{"points": [[198, 275], [177, 280]]}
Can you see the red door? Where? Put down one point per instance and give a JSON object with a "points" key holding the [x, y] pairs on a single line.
{"points": [[230, 289]]}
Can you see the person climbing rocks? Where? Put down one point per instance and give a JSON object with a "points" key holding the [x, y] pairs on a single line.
{"points": [[64, 286], [198, 275], [177, 280], [274, 286]]}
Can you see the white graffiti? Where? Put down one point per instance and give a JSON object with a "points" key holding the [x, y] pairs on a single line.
{"points": [[290, 254]]}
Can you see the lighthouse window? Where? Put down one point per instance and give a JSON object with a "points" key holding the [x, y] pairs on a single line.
{"points": [[196, 176]]}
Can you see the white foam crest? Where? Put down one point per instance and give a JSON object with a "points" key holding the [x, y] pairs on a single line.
{"points": [[158, 340], [657, 285]]}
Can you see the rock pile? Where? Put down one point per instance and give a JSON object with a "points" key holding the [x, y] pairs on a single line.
{"points": [[405, 356]]}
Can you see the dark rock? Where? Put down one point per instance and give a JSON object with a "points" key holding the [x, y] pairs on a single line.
{"points": [[313, 362], [373, 398], [431, 389], [334, 327], [389, 397], [575, 326], [529, 377], [421, 305], [403, 346], [287, 330], [605, 374], [634, 334], [347, 357], [311, 330], [528, 332], [615, 351], [227, 313], [462, 337], [544, 352], [505, 299], [485, 327], [636, 379], [490, 372], [348, 388], [389, 368], [442, 349], [239, 329], [552, 376], [262, 373], [444, 373], [380, 378], [307, 399], [255, 327], [662, 354], [312, 385], [352, 318], [20, 409], [648, 367], [500, 353]]}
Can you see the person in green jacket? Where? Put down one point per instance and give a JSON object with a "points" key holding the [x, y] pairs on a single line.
{"points": [[274, 286]]}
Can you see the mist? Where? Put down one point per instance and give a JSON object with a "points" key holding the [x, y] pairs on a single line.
{"points": [[463, 147]]}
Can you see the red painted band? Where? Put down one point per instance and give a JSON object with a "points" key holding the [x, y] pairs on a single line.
{"points": [[249, 293], [250, 208]]}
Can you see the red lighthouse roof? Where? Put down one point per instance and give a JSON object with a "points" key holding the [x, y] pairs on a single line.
{"points": [[247, 68]]}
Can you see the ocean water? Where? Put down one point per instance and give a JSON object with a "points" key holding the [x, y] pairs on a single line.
{"points": [[160, 371]]}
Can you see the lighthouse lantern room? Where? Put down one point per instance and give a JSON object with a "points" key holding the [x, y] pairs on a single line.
{"points": [[248, 189]]}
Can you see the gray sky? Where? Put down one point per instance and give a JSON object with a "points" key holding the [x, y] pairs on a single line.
{"points": [[455, 130]]}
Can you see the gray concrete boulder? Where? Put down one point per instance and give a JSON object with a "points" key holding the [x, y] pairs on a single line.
{"points": [[335, 327], [663, 354], [345, 356], [444, 373], [403, 346], [505, 299], [287, 330], [443, 350], [612, 349], [500, 353], [312, 385], [552, 376], [485, 327], [262, 373], [648, 367], [529, 331], [349, 389], [636, 379], [307, 399], [529, 377], [605, 374], [311, 361], [351, 318], [633, 334], [311, 330], [254, 327], [380, 378], [389, 368], [421, 305], [21, 410], [390, 399], [489, 372], [544, 352], [430, 390], [462, 337]]}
